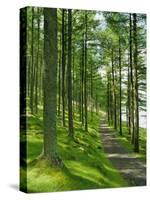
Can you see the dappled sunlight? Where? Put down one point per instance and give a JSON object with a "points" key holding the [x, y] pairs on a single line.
{"points": [[123, 158], [82, 170], [85, 165]]}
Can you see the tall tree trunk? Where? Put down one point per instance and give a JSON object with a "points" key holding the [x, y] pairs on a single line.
{"points": [[37, 63], [59, 83], [80, 90], [82, 83], [129, 98], [132, 84], [32, 66], [115, 95], [70, 117], [50, 85], [114, 92], [111, 99], [136, 137], [91, 93], [73, 80], [63, 67], [108, 98], [85, 77], [120, 88], [41, 79], [29, 63]]}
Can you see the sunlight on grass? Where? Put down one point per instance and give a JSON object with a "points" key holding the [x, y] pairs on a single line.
{"points": [[85, 163]]}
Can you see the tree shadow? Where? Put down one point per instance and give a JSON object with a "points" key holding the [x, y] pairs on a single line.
{"points": [[14, 186], [86, 183]]}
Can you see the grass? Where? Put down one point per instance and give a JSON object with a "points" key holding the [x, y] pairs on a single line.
{"points": [[85, 163]]}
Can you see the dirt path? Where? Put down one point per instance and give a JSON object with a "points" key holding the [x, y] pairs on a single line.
{"points": [[131, 168]]}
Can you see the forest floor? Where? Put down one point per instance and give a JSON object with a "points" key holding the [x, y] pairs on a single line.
{"points": [[132, 168], [89, 159], [85, 163]]}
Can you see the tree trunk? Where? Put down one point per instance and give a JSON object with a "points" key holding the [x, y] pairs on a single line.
{"points": [[129, 99], [50, 85], [91, 93], [120, 88], [80, 90], [59, 83], [37, 64], [111, 99], [41, 79], [85, 77], [63, 67], [73, 80], [32, 66], [132, 84], [70, 117], [136, 137], [82, 83], [114, 92], [108, 98]]}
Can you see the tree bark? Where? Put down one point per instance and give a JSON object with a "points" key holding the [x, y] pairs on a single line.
{"points": [[114, 92], [37, 64], [50, 85], [129, 99], [132, 83], [120, 88], [108, 98], [70, 117], [111, 99], [59, 83], [80, 89], [91, 93], [63, 67], [85, 77], [73, 81], [82, 83], [136, 137], [32, 65]]}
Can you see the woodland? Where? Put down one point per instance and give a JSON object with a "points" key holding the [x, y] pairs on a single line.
{"points": [[84, 86]]}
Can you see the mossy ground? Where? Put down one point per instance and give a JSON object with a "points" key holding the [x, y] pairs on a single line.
{"points": [[85, 163]]}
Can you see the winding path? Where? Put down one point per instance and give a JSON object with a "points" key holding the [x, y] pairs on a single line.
{"points": [[131, 168]]}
